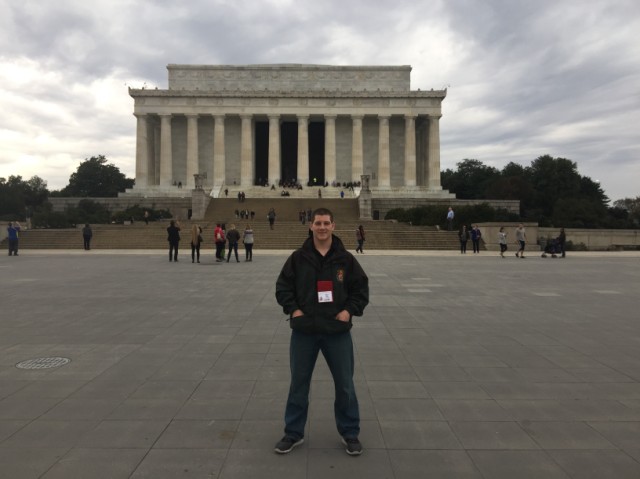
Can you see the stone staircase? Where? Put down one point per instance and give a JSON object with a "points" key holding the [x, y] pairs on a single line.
{"points": [[222, 210], [287, 234]]}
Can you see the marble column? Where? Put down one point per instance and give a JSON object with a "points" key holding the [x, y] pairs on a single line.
{"points": [[384, 161], [357, 163], [433, 165], [166, 156], [409, 150], [330, 148], [274, 149], [219, 165], [246, 152], [142, 151], [192, 150], [303, 150]]}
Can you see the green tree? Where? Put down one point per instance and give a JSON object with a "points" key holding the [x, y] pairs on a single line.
{"points": [[556, 179], [631, 208], [470, 180], [96, 178], [552, 179], [88, 211], [19, 198], [579, 213]]}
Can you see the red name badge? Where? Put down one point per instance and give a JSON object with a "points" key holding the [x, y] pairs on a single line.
{"points": [[325, 291]]}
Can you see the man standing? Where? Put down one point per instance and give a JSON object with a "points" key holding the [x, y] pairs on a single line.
{"points": [[450, 216], [321, 287], [521, 239], [271, 216], [87, 234], [12, 237], [233, 237], [475, 238], [562, 239], [173, 237]]}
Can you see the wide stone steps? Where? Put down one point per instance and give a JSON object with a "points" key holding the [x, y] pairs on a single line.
{"points": [[286, 235], [223, 210]]}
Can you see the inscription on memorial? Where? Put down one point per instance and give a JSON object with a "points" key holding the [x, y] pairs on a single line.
{"points": [[289, 78]]}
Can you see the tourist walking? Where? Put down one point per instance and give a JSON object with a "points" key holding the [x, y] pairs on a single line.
{"points": [[502, 240], [321, 288], [271, 216], [13, 234], [521, 239], [146, 217], [475, 238], [450, 215], [247, 239], [220, 241], [360, 238], [87, 234], [196, 241], [173, 236], [232, 238], [463, 235]]}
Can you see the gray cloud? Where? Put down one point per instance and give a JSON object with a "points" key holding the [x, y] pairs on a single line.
{"points": [[525, 78]]}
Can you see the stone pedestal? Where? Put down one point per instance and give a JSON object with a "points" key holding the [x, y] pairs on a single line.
{"points": [[199, 203]]}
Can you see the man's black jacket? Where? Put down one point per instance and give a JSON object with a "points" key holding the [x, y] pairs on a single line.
{"points": [[297, 287]]}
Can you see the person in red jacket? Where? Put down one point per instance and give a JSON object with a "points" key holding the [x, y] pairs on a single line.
{"points": [[220, 240]]}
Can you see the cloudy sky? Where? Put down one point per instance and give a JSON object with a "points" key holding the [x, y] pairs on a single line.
{"points": [[524, 78]]}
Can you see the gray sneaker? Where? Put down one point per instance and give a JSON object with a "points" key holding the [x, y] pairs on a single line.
{"points": [[287, 443], [354, 447]]}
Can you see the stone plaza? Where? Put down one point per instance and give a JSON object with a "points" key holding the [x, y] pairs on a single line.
{"points": [[466, 367]]}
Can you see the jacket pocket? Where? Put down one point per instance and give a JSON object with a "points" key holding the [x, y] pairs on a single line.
{"points": [[334, 326], [304, 324]]}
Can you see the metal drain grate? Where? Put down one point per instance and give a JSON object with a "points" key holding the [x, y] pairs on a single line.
{"points": [[43, 363]]}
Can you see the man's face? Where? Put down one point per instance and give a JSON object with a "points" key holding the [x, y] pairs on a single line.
{"points": [[322, 227]]}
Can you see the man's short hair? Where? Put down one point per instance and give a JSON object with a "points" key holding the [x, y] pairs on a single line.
{"points": [[321, 212]]}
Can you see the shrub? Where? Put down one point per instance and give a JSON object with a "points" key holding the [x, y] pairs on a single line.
{"points": [[137, 213], [436, 215]]}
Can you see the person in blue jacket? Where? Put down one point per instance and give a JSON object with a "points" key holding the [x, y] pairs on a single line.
{"points": [[475, 238], [12, 237]]}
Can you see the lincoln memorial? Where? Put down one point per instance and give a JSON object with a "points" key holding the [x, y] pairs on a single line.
{"points": [[240, 126]]}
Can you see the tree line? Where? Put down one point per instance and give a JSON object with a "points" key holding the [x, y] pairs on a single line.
{"points": [[551, 192], [94, 178]]}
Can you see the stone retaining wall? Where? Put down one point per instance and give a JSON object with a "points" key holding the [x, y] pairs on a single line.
{"points": [[596, 240], [179, 207]]}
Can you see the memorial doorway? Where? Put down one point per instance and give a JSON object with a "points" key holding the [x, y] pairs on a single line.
{"points": [[261, 149], [289, 150]]}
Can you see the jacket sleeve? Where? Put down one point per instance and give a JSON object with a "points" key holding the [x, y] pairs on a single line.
{"points": [[286, 287], [358, 290]]}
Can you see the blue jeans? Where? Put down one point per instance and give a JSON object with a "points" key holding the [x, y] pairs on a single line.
{"points": [[337, 350]]}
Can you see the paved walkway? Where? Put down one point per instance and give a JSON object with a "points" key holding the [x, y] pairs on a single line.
{"points": [[467, 366]]}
